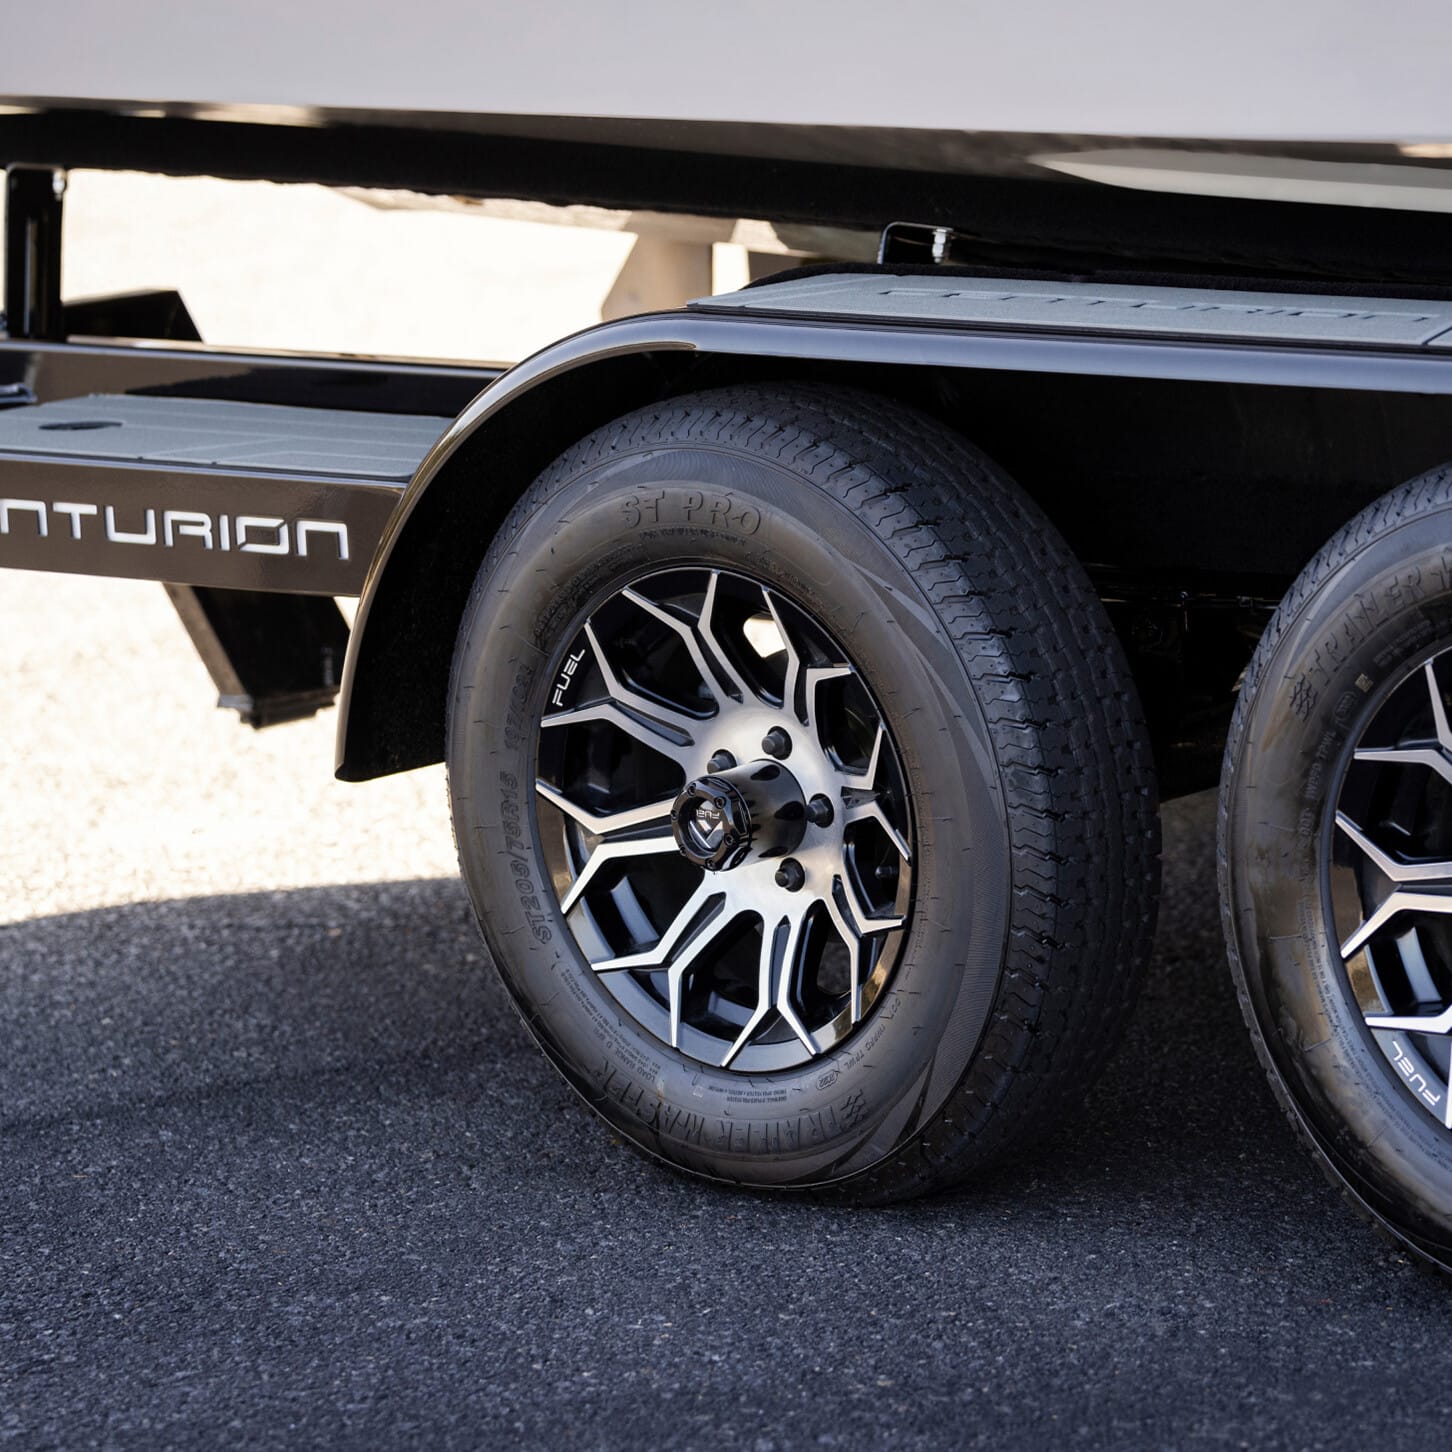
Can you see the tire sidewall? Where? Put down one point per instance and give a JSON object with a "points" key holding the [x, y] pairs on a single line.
{"points": [[596, 528], [1374, 618]]}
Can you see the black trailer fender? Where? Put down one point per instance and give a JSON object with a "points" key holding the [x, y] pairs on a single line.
{"points": [[395, 679]]}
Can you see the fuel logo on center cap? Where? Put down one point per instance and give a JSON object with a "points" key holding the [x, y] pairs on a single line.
{"points": [[712, 823], [708, 826]]}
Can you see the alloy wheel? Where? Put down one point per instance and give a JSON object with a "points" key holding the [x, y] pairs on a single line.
{"points": [[1390, 881], [725, 819]]}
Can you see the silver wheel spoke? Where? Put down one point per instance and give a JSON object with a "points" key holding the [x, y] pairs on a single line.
{"points": [[816, 677], [1409, 756], [1435, 879], [679, 721], [793, 933], [1400, 901], [866, 780], [652, 814], [855, 927], [707, 932], [854, 917], [612, 848], [871, 809], [1388, 865], [730, 678], [781, 948], [1439, 756], [794, 661], [707, 910], [657, 737], [1432, 1023], [723, 682], [1439, 709], [608, 852]]}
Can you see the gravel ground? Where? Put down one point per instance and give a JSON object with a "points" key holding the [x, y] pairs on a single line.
{"points": [[282, 1168], [303, 267]]}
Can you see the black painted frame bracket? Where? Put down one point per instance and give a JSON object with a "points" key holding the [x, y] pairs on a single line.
{"points": [[33, 214], [274, 658]]}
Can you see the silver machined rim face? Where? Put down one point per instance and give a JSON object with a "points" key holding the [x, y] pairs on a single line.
{"points": [[725, 819], [1390, 881]]}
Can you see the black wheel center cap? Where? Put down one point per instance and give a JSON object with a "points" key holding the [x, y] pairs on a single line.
{"points": [[732, 817]]}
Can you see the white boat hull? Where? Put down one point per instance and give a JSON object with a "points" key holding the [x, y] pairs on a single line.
{"points": [[1298, 70]]}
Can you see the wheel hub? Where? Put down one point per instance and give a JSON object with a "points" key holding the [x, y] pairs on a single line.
{"points": [[746, 814]]}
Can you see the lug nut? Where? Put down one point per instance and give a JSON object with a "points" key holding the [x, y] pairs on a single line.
{"points": [[776, 743], [721, 761], [790, 875], [819, 811]]}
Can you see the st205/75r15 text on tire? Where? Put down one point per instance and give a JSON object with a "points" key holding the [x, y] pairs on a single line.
{"points": [[1336, 859], [801, 791]]}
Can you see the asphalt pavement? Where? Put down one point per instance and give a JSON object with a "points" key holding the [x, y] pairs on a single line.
{"points": [[281, 1168]]}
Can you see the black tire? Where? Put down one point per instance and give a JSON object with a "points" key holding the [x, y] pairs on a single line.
{"points": [[1356, 629], [1021, 739]]}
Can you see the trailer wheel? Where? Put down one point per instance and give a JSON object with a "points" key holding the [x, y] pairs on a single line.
{"points": [[1336, 860], [801, 792]]}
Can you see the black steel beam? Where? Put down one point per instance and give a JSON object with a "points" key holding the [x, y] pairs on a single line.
{"points": [[154, 313], [53, 370], [33, 211], [623, 164], [273, 658]]}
